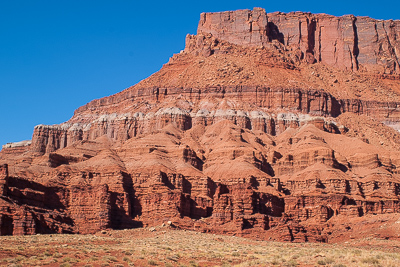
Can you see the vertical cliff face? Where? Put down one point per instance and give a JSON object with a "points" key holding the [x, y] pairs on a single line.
{"points": [[67, 202], [346, 42], [3, 178], [242, 27]]}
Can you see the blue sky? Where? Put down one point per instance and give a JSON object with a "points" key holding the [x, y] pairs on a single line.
{"points": [[58, 55]]}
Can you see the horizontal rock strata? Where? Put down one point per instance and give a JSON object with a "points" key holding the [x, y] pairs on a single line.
{"points": [[265, 101]]}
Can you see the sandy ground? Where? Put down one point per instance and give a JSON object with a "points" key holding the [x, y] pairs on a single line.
{"points": [[164, 246]]}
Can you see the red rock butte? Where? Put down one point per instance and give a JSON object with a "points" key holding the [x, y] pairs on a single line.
{"points": [[269, 125]]}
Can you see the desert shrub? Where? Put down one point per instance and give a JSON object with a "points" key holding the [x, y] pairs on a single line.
{"points": [[11, 260], [20, 258], [111, 258], [329, 261], [152, 262], [57, 255], [128, 253], [370, 260], [46, 253], [69, 259], [275, 261], [291, 263], [173, 257]]}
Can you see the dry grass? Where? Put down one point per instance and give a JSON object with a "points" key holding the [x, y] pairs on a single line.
{"points": [[140, 247]]}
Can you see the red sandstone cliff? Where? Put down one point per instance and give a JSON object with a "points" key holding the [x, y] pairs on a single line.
{"points": [[273, 125], [346, 42]]}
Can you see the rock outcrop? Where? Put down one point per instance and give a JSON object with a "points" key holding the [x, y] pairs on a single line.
{"points": [[298, 106], [346, 42], [272, 126]]}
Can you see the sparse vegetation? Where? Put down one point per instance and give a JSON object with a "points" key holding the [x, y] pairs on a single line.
{"points": [[152, 262], [138, 247]]}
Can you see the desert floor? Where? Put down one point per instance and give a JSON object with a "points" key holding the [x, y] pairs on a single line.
{"points": [[165, 246]]}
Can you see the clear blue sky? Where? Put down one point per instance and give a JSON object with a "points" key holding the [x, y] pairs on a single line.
{"points": [[58, 55]]}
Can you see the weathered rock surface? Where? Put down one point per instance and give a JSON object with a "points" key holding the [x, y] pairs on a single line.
{"points": [[225, 178], [269, 125], [346, 42]]}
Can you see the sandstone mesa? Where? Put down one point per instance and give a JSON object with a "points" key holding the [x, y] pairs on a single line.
{"points": [[270, 125]]}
